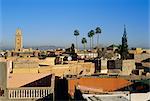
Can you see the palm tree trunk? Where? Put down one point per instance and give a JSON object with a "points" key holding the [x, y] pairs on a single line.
{"points": [[84, 45], [97, 40], [93, 46], [90, 43], [76, 43]]}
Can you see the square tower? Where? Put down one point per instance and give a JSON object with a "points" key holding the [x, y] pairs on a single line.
{"points": [[18, 40]]}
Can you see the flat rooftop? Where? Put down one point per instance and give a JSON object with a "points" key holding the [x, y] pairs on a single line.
{"points": [[28, 79], [118, 97], [97, 85]]}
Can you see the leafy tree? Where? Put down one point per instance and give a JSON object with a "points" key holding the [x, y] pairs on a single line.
{"points": [[98, 31], [84, 41], [92, 33], [76, 33], [72, 50], [73, 54], [90, 36]]}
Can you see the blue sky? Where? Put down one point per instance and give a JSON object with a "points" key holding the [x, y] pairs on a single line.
{"points": [[52, 22]]}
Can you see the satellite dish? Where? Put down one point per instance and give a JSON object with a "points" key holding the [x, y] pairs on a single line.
{"points": [[69, 58], [82, 57]]}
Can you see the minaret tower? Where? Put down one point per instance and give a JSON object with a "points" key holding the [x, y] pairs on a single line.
{"points": [[18, 40], [124, 48]]}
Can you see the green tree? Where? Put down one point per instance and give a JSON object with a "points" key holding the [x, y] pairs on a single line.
{"points": [[84, 41], [90, 36], [72, 50], [92, 33], [76, 33], [98, 31]]}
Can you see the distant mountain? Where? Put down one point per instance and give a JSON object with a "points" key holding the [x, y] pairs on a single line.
{"points": [[43, 47], [6, 48], [33, 47]]}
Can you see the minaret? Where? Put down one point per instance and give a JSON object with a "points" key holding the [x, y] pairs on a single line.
{"points": [[124, 48], [18, 40]]}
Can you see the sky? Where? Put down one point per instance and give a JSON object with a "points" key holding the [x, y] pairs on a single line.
{"points": [[52, 22]]}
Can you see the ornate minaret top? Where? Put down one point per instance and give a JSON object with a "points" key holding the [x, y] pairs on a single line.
{"points": [[18, 32], [124, 38], [18, 40]]}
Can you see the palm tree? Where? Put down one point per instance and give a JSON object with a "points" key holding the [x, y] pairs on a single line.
{"points": [[76, 33], [92, 33], [97, 31], [90, 36], [84, 41]]}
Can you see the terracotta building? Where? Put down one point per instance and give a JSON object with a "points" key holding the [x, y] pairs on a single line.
{"points": [[96, 84]]}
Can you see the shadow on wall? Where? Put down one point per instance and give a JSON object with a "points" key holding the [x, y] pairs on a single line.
{"points": [[78, 95], [43, 82], [141, 86], [61, 89]]}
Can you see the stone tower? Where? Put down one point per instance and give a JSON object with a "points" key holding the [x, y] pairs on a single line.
{"points": [[124, 47], [18, 40]]}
